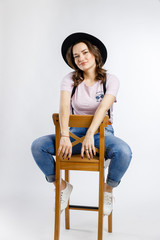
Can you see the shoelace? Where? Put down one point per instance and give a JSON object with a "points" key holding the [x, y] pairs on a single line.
{"points": [[108, 200], [62, 198]]}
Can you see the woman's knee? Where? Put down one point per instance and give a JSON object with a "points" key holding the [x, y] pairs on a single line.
{"points": [[36, 147], [120, 153], [124, 153], [43, 144]]}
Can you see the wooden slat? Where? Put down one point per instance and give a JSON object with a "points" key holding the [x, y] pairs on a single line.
{"points": [[77, 139], [80, 140], [84, 123], [101, 182], [110, 223], [74, 120], [76, 166], [57, 191], [67, 216], [97, 150]]}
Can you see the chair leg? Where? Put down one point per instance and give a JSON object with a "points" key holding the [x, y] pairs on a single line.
{"points": [[100, 211], [67, 218], [57, 206], [110, 223]]}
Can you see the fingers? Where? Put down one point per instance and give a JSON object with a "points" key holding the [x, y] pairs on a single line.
{"points": [[89, 151], [66, 153], [69, 153], [94, 150], [59, 150], [65, 149], [85, 150], [63, 153], [82, 152]]}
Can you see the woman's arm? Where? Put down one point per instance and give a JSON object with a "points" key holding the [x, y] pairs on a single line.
{"points": [[65, 147], [64, 111], [99, 115]]}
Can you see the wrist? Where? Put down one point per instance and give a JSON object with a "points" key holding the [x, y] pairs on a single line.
{"points": [[90, 133], [66, 133], [62, 135]]}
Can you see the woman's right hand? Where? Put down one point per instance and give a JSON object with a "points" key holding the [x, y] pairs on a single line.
{"points": [[65, 148]]}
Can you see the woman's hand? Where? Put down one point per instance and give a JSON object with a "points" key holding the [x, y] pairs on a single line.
{"points": [[88, 146], [65, 148]]}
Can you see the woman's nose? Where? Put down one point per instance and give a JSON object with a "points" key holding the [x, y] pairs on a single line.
{"points": [[81, 58]]}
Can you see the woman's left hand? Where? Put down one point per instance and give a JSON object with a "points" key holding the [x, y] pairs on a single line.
{"points": [[88, 146]]}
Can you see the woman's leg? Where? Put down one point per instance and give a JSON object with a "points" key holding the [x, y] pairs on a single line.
{"points": [[115, 149], [120, 154], [42, 150]]}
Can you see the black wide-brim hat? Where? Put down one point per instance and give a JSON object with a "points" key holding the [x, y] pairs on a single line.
{"points": [[80, 36]]}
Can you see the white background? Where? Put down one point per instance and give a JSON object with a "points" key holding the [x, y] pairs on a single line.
{"points": [[31, 34]]}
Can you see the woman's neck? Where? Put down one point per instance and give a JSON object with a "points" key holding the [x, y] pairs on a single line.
{"points": [[90, 75]]}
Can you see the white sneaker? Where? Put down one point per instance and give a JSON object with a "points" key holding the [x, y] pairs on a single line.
{"points": [[108, 203], [65, 194]]}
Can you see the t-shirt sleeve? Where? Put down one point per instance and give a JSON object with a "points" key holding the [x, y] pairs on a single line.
{"points": [[112, 85], [67, 83]]}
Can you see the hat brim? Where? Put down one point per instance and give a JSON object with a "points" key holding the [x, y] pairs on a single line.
{"points": [[80, 36]]}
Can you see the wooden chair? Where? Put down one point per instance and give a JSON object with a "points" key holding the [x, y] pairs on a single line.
{"points": [[77, 163]]}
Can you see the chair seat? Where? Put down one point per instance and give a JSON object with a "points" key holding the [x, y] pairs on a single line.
{"points": [[77, 158]]}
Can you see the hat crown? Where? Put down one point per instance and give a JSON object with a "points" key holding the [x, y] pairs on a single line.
{"points": [[81, 36]]}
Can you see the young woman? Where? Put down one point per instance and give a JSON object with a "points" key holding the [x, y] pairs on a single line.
{"points": [[95, 93]]}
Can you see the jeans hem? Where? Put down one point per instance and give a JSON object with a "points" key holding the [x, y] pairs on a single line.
{"points": [[50, 178], [112, 183]]}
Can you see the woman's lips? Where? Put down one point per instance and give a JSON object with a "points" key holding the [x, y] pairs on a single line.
{"points": [[83, 63]]}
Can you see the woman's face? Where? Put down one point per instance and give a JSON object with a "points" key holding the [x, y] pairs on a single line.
{"points": [[83, 58]]}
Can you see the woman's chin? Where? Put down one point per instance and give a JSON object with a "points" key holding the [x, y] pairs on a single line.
{"points": [[84, 68]]}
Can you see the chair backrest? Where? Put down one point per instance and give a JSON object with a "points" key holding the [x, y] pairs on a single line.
{"points": [[83, 121], [79, 120]]}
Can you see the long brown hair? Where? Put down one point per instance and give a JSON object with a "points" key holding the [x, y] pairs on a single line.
{"points": [[78, 74]]}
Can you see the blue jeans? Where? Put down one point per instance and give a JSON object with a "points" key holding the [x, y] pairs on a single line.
{"points": [[43, 150]]}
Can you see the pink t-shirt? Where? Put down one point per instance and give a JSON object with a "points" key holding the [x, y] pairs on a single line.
{"points": [[86, 99]]}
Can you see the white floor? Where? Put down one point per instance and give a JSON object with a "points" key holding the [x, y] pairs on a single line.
{"points": [[32, 218]]}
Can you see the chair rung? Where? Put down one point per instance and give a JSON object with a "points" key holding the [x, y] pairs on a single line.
{"points": [[64, 165], [86, 208]]}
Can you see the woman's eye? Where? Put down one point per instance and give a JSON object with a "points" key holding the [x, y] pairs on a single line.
{"points": [[83, 53]]}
